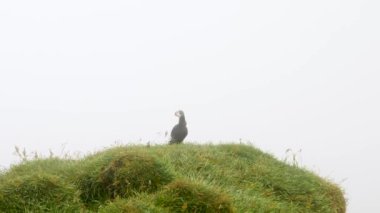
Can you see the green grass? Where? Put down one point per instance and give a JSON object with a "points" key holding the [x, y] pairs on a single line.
{"points": [[175, 178]]}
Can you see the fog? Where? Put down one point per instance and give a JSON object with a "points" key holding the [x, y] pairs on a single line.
{"points": [[78, 76]]}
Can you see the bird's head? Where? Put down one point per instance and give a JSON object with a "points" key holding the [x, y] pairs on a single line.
{"points": [[179, 113]]}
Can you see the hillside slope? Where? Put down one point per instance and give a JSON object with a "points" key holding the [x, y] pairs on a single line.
{"points": [[176, 178]]}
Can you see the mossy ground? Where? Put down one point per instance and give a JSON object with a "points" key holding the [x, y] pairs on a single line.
{"points": [[175, 178]]}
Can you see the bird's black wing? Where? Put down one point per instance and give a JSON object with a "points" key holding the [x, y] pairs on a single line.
{"points": [[178, 134]]}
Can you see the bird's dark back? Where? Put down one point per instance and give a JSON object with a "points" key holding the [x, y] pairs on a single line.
{"points": [[178, 133]]}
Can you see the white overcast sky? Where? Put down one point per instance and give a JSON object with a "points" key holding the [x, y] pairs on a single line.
{"points": [[281, 74]]}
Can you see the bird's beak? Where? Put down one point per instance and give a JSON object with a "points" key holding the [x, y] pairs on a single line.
{"points": [[176, 114]]}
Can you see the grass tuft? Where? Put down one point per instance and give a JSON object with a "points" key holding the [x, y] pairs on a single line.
{"points": [[124, 175], [139, 204], [38, 193], [182, 196], [133, 173]]}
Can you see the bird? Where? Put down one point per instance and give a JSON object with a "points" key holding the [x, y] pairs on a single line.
{"points": [[179, 131]]}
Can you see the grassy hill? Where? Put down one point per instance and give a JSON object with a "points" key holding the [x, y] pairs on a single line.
{"points": [[176, 178]]}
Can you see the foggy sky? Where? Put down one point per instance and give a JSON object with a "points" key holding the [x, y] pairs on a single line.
{"points": [[79, 75]]}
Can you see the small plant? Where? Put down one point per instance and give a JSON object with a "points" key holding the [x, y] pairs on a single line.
{"points": [[21, 154], [292, 157]]}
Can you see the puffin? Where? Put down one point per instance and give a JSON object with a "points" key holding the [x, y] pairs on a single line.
{"points": [[179, 131]]}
